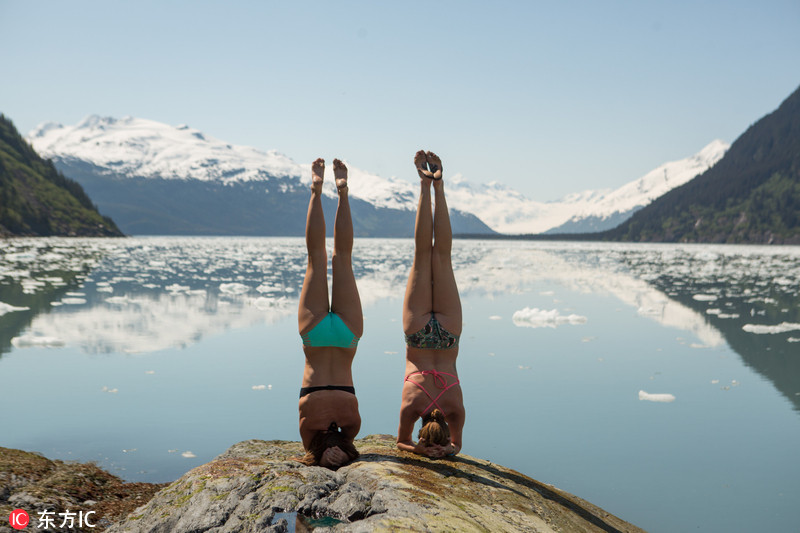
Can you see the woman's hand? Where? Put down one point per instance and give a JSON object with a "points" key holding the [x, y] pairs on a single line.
{"points": [[434, 451], [333, 456]]}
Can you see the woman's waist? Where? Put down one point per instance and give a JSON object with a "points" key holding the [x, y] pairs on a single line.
{"points": [[430, 364], [323, 373]]}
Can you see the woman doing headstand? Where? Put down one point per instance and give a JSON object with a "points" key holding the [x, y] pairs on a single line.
{"points": [[432, 325], [329, 418]]}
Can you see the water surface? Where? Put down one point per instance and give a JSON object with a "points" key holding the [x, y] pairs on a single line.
{"points": [[660, 382]]}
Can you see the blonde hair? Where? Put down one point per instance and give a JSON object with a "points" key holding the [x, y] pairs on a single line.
{"points": [[328, 439], [434, 429]]}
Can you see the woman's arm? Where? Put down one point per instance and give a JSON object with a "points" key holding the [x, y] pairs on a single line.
{"points": [[455, 422], [306, 434], [351, 430], [404, 436]]}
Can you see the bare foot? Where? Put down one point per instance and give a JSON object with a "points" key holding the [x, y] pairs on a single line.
{"points": [[340, 174], [435, 165], [317, 174], [421, 162]]}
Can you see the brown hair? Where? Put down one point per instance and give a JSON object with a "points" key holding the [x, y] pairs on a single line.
{"points": [[434, 429], [328, 439]]}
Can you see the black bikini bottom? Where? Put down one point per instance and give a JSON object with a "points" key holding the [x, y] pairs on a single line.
{"points": [[305, 391]]}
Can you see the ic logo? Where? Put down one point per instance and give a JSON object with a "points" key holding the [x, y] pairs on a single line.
{"points": [[18, 519]]}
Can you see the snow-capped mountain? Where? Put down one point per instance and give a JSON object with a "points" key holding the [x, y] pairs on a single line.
{"points": [[153, 178], [508, 211], [139, 148], [133, 167]]}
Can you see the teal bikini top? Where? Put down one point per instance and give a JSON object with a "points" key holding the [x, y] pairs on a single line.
{"points": [[330, 331]]}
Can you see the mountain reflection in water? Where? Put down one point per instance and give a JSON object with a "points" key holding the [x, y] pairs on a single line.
{"points": [[141, 295]]}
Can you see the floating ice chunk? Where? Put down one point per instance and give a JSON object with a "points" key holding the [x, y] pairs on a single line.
{"points": [[762, 329], [705, 297], [495, 317], [73, 301], [105, 288], [188, 454], [542, 318], [522, 367], [269, 387], [266, 288], [29, 286], [714, 381], [263, 303], [78, 294], [150, 372], [234, 288], [175, 288], [110, 391], [792, 339], [118, 300], [21, 257], [6, 308], [258, 387], [663, 398], [36, 341]]}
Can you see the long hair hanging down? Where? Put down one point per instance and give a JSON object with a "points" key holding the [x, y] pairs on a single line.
{"points": [[328, 439], [434, 429]]}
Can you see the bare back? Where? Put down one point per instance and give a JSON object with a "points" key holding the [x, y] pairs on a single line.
{"points": [[320, 408], [327, 365], [428, 374]]}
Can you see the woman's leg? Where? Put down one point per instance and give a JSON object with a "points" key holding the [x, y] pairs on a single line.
{"points": [[446, 301], [344, 293], [418, 302], [314, 295]]}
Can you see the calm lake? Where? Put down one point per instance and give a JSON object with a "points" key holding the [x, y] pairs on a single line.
{"points": [[660, 382]]}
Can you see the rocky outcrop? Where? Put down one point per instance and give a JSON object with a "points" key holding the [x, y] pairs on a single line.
{"points": [[37, 485], [255, 486]]}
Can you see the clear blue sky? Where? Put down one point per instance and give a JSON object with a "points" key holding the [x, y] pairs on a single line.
{"points": [[547, 97]]}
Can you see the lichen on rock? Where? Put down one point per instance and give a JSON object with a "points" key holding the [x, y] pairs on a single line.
{"points": [[256, 486]]}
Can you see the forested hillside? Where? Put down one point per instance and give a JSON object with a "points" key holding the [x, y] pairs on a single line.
{"points": [[752, 195], [36, 199]]}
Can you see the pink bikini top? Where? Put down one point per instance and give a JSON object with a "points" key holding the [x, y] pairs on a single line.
{"points": [[439, 381]]}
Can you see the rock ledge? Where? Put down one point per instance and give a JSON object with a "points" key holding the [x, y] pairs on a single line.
{"points": [[255, 486]]}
